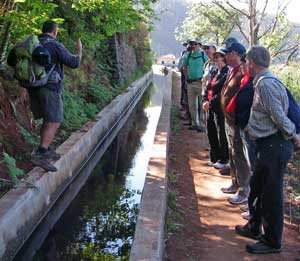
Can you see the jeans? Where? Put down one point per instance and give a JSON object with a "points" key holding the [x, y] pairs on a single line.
{"points": [[215, 124], [267, 208]]}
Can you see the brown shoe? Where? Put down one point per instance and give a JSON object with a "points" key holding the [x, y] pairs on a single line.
{"points": [[40, 160]]}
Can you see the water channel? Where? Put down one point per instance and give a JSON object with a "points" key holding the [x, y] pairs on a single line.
{"points": [[99, 223]]}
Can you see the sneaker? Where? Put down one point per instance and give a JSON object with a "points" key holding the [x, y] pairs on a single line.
{"points": [[245, 231], [246, 215], [211, 163], [225, 171], [244, 208], [40, 160], [220, 165], [230, 190], [237, 199], [261, 247]]}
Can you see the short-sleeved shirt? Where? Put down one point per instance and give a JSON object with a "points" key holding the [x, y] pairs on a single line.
{"points": [[194, 62]]}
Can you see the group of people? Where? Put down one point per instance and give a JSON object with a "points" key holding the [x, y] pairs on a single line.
{"points": [[250, 135]]}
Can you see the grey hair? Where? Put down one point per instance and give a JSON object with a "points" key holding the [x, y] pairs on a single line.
{"points": [[259, 55]]}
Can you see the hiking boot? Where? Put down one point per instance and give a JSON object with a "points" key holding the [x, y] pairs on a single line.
{"points": [[52, 154], [261, 247], [230, 190], [225, 171], [220, 165], [237, 199], [40, 160], [245, 231], [246, 215]]}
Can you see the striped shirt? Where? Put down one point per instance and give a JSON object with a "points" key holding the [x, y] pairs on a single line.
{"points": [[269, 109]]}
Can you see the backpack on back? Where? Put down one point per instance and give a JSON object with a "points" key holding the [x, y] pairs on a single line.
{"points": [[294, 109], [33, 66]]}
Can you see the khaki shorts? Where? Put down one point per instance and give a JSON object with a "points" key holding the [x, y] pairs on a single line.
{"points": [[46, 104]]}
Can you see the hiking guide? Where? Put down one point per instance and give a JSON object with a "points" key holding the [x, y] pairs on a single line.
{"points": [[193, 70], [46, 100]]}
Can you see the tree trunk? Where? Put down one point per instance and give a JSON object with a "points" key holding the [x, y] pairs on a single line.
{"points": [[5, 34]]}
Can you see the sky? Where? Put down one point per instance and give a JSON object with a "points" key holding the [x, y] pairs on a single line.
{"points": [[293, 8]]}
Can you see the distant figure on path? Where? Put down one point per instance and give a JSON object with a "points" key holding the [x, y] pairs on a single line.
{"points": [[193, 69]]}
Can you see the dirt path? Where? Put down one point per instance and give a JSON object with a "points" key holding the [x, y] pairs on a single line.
{"points": [[206, 229]]}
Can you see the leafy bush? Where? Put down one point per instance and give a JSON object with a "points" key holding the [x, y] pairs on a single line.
{"points": [[290, 75], [13, 171]]}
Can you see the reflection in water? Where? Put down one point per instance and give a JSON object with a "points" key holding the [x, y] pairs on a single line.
{"points": [[99, 224]]}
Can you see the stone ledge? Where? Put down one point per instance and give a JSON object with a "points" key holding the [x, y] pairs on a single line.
{"points": [[148, 243]]}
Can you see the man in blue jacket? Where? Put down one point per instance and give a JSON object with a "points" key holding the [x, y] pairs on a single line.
{"points": [[46, 101]]}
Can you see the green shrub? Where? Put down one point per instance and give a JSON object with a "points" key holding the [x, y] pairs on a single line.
{"points": [[13, 171]]}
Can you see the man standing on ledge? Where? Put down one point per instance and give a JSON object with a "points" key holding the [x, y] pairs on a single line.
{"points": [[193, 70], [273, 133], [46, 101]]}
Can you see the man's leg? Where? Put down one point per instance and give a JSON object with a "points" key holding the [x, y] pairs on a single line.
{"points": [[192, 103], [222, 136], [241, 164], [48, 131]]}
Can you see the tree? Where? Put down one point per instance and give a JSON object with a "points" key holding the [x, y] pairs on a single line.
{"points": [[249, 19], [270, 30], [211, 23]]}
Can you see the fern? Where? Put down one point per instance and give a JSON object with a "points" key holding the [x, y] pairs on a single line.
{"points": [[13, 171]]}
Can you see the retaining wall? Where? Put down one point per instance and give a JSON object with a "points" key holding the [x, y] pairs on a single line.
{"points": [[22, 208], [148, 243]]}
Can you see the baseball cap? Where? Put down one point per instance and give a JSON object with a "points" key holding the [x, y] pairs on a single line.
{"points": [[229, 41], [210, 45], [220, 51], [195, 40], [236, 47]]}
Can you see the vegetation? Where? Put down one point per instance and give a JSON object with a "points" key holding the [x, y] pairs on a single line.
{"points": [[248, 20], [88, 89]]}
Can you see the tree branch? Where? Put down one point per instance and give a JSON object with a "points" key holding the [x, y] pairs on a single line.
{"points": [[285, 50], [238, 10]]}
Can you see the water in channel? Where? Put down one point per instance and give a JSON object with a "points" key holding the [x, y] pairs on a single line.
{"points": [[99, 224]]}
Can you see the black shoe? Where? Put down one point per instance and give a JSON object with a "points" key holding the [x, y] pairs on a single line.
{"points": [[245, 231], [52, 154], [260, 247], [40, 160]]}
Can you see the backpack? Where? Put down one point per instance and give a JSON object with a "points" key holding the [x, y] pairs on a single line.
{"points": [[33, 66], [294, 109]]}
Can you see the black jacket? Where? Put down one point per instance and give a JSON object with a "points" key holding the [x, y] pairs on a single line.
{"points": [[219, 82], [243, 103]]}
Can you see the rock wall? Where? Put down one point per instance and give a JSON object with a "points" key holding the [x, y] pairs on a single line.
{"points": [[125, 60]]}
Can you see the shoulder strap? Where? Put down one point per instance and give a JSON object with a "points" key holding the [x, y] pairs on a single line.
{"points": [[269, 77]]}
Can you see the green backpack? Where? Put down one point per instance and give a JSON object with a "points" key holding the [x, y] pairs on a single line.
{"points": [[30, 68]]}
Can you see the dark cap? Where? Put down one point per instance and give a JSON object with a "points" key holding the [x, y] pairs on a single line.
{"points": [[236, 47], [229, 41]]}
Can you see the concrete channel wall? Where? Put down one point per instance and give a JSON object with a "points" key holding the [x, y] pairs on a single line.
{"points": [[22, 208], [148, 243]]}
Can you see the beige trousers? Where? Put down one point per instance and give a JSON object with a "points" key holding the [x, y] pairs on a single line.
{"points": [[194, 91]]}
